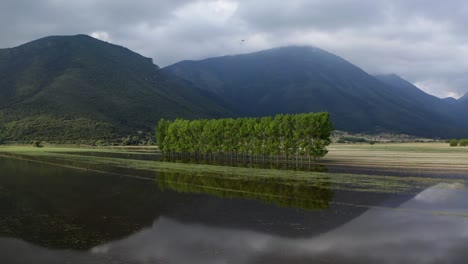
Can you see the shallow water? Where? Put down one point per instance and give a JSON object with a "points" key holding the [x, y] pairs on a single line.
{"points": [[53, 214], [319, 166]]}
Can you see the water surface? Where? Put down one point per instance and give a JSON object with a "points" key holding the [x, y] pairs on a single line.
{"points": [[55, 214]]}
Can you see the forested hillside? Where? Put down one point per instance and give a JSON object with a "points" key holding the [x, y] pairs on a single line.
{"points": [[72, 88], [307, 79]]}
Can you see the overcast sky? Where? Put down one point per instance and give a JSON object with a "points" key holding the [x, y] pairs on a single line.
{"points": [[424, 41]]}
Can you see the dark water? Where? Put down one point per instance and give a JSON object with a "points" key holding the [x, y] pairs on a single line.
{"points": [[53, 214]]}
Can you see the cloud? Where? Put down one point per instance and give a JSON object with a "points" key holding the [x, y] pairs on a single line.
{"points": [[102, 35], [437, 88], [420, 40]]}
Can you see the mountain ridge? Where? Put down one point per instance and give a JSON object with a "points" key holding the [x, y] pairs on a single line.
{"points": [[89, 84], [77, 88], [464, 98], [302, 79]]}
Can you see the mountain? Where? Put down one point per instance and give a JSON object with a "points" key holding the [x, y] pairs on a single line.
{"points": [[405, 89], [463, 103], [463, 99], [448, 109], [450, 100], [78, 87], [441, 108], [308, 79]]}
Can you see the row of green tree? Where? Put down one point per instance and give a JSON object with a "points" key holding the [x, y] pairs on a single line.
{"points": [[456, 142], [285, 134]]}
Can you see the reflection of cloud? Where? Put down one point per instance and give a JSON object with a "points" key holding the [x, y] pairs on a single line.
{"points": [[190, 243], [389, 236], [14, 251], [378, 235], [439, 193]]}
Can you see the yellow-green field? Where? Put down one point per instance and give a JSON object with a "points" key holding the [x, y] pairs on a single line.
{"points": [[415, 156]]}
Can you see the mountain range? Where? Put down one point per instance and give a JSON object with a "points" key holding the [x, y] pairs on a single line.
{"points": [[307, 79], [75, 88]]}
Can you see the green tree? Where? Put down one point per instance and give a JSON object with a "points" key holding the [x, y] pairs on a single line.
{"points": [[161, 132], [37, 144], [291, 135], [463, 142], [453, 142]]}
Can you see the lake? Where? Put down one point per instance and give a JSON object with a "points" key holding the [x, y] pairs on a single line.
{"points": [[59, 214]]}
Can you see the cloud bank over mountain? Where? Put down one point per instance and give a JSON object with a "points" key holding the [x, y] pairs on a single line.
{"points": [[422, 41]]}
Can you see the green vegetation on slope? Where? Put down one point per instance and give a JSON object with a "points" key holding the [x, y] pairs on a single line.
{"points": [[47, 128], [351, 139], [73, 88]]}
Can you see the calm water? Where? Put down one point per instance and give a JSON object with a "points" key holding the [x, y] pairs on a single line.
{"points": [[323, 166], [53, 214]]}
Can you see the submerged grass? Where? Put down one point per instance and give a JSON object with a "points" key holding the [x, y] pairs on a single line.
{"points": [[356, 182]]}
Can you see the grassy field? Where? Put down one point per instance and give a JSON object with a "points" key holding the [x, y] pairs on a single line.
{"points": [[408, 156], [429, 156]]}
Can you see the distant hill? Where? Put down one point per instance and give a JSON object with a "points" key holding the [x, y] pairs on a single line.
{"points": [[441, 110], [307, 79], [80, 88], [406, 90], [463, 103]]}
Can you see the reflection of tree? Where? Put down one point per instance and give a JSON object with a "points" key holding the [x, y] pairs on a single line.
{"points": [[281, 193], [226, 160]]}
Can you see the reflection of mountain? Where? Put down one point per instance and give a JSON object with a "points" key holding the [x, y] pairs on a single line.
{"points": [[15, 251], [377, 236], [268, 190], [64, 208], [58, 207]]}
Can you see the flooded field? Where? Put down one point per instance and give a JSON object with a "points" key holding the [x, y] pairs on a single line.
{"points": [[101, 206]]}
